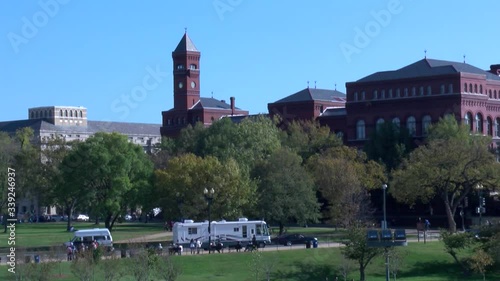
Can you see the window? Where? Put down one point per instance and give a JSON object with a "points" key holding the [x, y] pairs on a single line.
{"points": [[411, 126], [180, 66], [363, 95], [429, 90], [360, 130], [236, 229], [465, 87], [396, 121], [355, 96], [60, 113], [413, 91], [495, 94], [382, 94], [192, 230], [426, 122], [390, 93], [475, 88], [66, 113], [468, 120], [398, 93], [450, 89], [71, 113], [81, 114], [406, 92], [441, 89], [489, 93], [479, 123], [497, 127], [470, 88], [32, 115], [421, 91], [480, 89], [375, 95], [489, 129], [380, 122], [192, 66]]}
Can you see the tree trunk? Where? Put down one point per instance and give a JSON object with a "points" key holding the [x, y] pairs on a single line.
{"points": [[452, 225], [361, 272], [107, 222], [282, 227], [69, 213]]}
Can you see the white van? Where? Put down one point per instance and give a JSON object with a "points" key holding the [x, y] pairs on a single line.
{"points": [[86, 236]]}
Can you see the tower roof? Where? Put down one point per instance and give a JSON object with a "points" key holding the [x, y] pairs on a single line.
{"points": [[186, 45]]}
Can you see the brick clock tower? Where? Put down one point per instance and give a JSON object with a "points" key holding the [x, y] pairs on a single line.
{"points": [[189, 107]]}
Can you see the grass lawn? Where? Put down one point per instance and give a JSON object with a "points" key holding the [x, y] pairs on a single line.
{"points": [[424, 262], [49, 234]]}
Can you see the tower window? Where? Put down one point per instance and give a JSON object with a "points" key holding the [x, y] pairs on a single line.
{"points": [[180, 66], [193, 66]]}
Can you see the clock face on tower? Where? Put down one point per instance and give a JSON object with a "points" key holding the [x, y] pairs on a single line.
{"points": [[193, 84], [180, 85]]}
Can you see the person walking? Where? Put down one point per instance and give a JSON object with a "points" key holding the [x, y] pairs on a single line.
{"points": [[198, 246], [192, 246]]}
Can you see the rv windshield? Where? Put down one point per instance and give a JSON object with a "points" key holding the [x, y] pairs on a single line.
{"points": [[262, 229]]}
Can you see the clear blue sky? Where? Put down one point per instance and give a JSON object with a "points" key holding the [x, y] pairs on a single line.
{"points": [[91, 53]]}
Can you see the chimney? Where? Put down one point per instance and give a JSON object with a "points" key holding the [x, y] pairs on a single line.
{"points": [[495, 69], [232, 105]]}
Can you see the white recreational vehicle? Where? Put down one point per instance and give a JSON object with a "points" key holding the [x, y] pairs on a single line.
{"points": [[228, 232]]}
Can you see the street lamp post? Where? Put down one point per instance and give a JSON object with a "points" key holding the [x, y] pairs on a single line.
{"points": [[480, 205], [384, 227], [209, 196]]}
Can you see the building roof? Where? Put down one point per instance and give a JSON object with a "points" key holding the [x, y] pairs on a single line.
{"points": [[332, 111], [91, 128], [313, 94], [186, 45], [428, 67], [213, 104]]}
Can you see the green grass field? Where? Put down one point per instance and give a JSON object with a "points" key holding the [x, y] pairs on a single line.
{"points": [[424, 262], [49, 234]]}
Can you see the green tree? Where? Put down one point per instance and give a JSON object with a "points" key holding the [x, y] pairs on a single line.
{"points": [[343, 177], [389, 145], [106, 168], [308, 137], [286, 191], [356, 248], [449, 167], [458, 245], [179, 187], [7, 152]]}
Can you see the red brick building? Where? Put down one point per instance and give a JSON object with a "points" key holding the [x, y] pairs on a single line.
{"points": [[189, 107]]}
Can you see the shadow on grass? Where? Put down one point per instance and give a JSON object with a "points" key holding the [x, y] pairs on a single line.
{"points": [[440, 269], [307, 271]]}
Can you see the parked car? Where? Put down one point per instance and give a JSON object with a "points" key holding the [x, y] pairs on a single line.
{"points": [[291, 239], [82, 217]]}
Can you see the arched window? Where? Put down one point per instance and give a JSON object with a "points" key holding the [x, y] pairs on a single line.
{"points": [[355, 96], [479, 123], [36, 114], [441, 90], [375, 94], [71, 113], [450, 89], [489, 93], [465, 87], [489, 128], [50, 112], [380, 122], [421, 90], [360, 130], [480, 89], [413, 91], [60, 113], [495, 94], [66, 113], [429, 90], [180, 66], [468, 120], [32, 115], [382, 94], [411, 126], [426, 122], [192, 66], [398, 93], [169, 122], [406, 92], [363, 95], [390, 93], [497, 127], [475, 88], [396, 121], [470, 88]]}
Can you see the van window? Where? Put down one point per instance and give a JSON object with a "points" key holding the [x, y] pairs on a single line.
{"points": [[98, 238], [77, 239], [87, 239]]}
